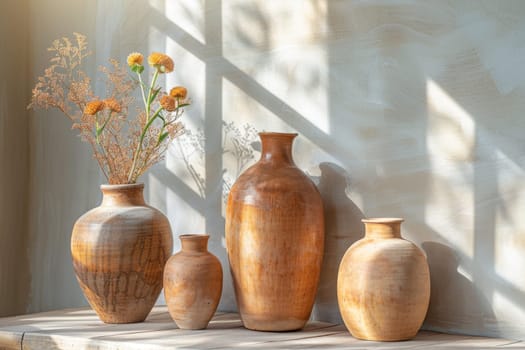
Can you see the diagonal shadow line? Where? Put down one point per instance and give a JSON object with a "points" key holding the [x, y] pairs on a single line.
{"points": [[256, 91], [506, 288], [289, 115], [171, 181], [183, 38]]}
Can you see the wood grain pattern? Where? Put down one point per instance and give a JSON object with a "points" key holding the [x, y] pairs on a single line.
{"points": [[193, 283], [383, 285], [119, 250], [275, 239], [79, 329]]}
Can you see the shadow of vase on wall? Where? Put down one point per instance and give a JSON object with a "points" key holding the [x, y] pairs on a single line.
{"points": [[343, 227], [455, 302]]}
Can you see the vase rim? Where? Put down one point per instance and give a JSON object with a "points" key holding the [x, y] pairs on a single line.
{"points": [[382, 220], [121, 186], [281, 134], [193, 235]]}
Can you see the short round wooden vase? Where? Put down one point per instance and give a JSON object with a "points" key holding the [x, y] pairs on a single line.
{"points": [[193, 283], [275, 239], [119, 250], [383, 286]]}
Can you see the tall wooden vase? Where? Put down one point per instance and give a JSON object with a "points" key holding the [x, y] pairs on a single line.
{"points": [[119, 250], [383, 286], [275, 239], [193, 283]]}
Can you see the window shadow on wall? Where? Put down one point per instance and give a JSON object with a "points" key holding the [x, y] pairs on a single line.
{"points": [[381, 134]]}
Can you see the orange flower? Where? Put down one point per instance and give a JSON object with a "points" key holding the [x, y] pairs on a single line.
{"points": [[113, 105], [135, 58], [161, 61], [168, 103], [94, 107], [179, 92]]}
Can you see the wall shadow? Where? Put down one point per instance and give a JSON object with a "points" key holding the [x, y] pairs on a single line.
{"points": [[343, 227], [15, 261], [456, 305]]}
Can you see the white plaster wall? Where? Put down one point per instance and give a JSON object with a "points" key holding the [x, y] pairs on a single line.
{"points": [[404, 108]]}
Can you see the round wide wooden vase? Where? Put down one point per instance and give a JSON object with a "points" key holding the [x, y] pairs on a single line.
{"points": [[119, 250], [275, 239], [383, 286], [193, 283]]}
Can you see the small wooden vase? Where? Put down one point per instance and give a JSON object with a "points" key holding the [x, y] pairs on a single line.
{"points": [[119, 250], [383, 286], [275, 239], [193, 283]]}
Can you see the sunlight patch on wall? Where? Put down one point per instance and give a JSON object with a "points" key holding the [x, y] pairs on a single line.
{"points": [[513, 311], [464, 273], [451, 149], [451, 129], [509, 243], [240, 107], [185, 158], [189, 15], [190, 71], [277, 45]]}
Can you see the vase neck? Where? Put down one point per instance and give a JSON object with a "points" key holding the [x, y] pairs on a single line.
{"points": [[123, 195], [383, 227], [194, 243], [277, 147]]}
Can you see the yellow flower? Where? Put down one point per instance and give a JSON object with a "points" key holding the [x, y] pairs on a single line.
{"points": [[135, 58], [94, 107], [168, 103], [179, 92], [113, 105], [161, 61]]}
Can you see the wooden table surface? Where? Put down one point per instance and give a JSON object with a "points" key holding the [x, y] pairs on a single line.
{"points": [[80, 329]]}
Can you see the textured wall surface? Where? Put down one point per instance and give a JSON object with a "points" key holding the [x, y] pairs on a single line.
{"points": [[409, 108], [14, 166]]}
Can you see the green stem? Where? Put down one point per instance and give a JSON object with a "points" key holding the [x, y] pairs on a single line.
{"points": [[160, 133], [141, 140], [96, 129], [142, 89], [99, 131], [152, 86], [147, 106], [101, 146]]}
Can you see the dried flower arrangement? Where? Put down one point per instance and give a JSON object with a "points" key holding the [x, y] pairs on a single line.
{"points": [[123, 147]]}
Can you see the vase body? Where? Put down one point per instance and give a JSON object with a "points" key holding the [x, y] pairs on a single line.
{"points": [[383, 285], [119, 250], [275, 239], [193, 283]]}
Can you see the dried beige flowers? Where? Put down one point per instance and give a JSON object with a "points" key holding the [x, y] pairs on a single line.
{"points": [[123, 147]]}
